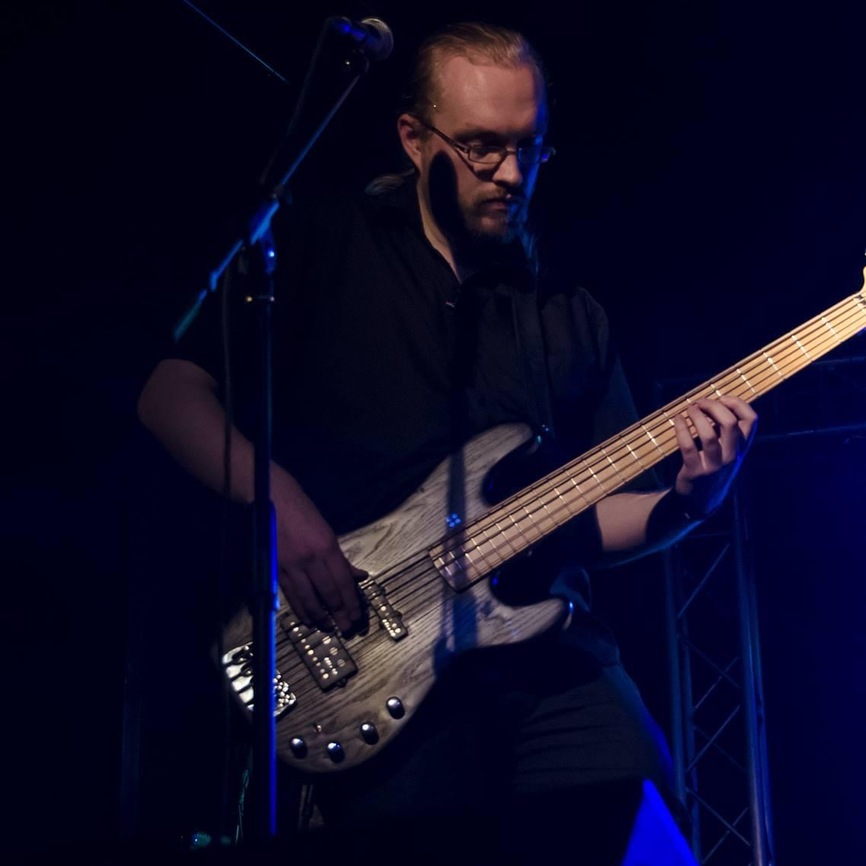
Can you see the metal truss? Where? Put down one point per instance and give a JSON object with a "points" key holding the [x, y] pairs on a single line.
{"points": [[718, 740], [718, 734]]}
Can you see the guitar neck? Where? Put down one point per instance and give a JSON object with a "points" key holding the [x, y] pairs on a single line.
{"points": [[530, 515]]}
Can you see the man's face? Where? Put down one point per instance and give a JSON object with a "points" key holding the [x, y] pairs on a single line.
{"points": [[481, 104]]}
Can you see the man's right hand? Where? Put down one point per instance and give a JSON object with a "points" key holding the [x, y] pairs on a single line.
{"points": [[179, 406], [319, 583]]}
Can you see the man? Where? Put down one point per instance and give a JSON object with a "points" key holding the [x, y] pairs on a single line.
{"points": [[407, 322]]}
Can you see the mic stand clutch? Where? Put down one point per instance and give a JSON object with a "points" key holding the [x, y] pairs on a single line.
{"points": [[260, 262]]}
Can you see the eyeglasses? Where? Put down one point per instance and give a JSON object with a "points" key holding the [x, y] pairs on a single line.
{"points": [[493, 155]]}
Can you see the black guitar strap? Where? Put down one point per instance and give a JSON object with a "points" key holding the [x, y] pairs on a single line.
{"points": [[530, 344]]}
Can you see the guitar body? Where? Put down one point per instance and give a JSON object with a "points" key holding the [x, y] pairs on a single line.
{"points": [[359, 692]]}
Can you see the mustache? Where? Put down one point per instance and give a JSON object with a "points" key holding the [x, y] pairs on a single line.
{"points": [[504, 199]]}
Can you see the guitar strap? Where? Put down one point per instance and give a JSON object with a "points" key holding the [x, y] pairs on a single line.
{"points": [[531, 346]]}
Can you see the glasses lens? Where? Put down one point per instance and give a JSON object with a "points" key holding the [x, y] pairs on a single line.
{"points": [[534, 154], [487, 154]]}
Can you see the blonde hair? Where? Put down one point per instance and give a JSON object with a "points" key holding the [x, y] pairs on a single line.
{"points": [[478, 42]]}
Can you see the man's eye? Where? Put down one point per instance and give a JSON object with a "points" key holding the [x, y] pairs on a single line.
{"points": [[486, 149]]}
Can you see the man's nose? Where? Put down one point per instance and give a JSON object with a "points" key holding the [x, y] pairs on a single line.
{"points": [[509, 171]]}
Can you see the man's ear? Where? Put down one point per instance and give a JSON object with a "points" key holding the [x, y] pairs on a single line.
{"points": [[410, 133]]}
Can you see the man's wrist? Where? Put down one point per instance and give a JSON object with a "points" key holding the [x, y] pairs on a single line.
{"points": [[673, 515]]}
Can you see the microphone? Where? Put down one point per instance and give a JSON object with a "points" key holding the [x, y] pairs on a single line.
{"points": [[372, 36]]}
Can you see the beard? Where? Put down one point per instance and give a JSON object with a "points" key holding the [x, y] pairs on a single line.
{"points": [[477, 228], [490, 220], [482, 233]]}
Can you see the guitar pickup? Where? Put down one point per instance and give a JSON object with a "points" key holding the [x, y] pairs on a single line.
{"points": [[390, 618], [324, 654], [238, 666]]}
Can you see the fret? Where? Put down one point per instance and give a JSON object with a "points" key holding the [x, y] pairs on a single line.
{"points": [[773, 364], [829, 327], [596, 478], [549, 523], [745, 378], [653, 440], [802, 348], [634, 456]]}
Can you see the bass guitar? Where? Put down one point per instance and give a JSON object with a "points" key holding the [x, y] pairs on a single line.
{"points": [[339, 700]]}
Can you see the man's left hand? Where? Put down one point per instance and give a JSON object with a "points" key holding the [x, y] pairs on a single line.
{"points": [[723, 430]]}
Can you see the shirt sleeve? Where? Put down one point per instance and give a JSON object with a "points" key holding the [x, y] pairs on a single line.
{"points": [[223, 335], [593, 400]]}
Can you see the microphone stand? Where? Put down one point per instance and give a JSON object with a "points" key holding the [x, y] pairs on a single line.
{"points": [[262, 264]]}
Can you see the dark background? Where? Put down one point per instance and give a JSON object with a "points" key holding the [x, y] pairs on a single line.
{"points": [[708, 186]]}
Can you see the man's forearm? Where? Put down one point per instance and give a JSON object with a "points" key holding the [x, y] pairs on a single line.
{"points": [[635, 524]]}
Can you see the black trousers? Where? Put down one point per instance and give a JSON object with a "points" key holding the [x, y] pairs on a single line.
{"points": [[519, 753]]}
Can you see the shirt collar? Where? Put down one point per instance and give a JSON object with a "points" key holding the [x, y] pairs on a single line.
{"points": [[395, 198]]}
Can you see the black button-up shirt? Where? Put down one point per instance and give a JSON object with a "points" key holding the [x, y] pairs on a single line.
{"points": [[384, 363]]}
